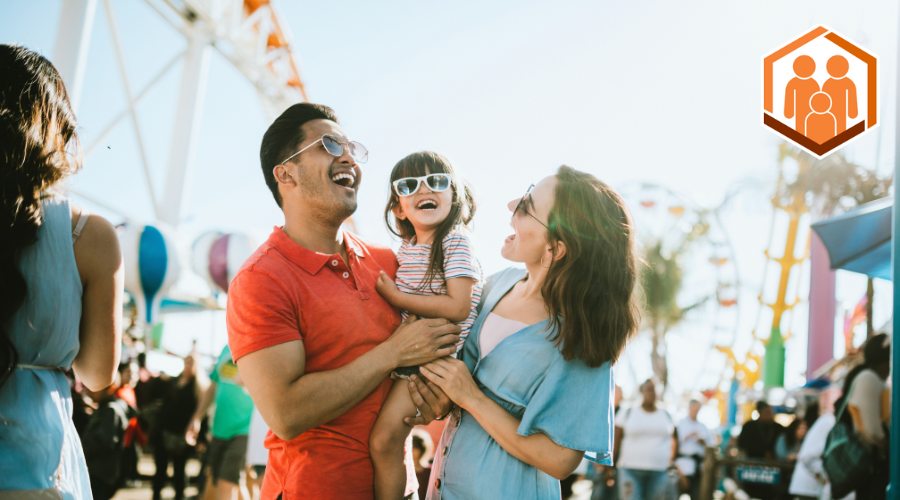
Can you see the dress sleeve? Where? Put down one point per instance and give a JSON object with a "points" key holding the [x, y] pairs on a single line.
{"points": [[260, 313], [574, 407], [459, 258]]}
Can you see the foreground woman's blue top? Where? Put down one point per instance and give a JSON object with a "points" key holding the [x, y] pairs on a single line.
{"points": [[39, 447], [525, 374]]}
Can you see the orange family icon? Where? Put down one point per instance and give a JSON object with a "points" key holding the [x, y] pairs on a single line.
{"points": [[820, 117]]}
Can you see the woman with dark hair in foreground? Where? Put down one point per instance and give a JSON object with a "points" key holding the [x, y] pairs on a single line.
{"points": [[61, 280], [534, 385]]}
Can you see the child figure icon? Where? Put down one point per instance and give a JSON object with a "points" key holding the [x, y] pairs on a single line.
{"points": [[821, 124]]}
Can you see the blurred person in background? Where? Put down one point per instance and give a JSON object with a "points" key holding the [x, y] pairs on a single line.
{"points": [[604, 476], [227, 452], [257, 454], [869, 409], [148, 388], [645, 447], [128, 372], [758, 437], [809, 481], [103, 441], [61, 284], [757, 441], [422, 453], [693, 438], [127, 378], [787, 446], [180, 401]]}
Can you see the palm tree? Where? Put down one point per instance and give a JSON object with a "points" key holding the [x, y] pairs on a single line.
{"points": [[662, 277]]}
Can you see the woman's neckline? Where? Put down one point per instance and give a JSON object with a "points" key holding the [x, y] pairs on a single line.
{"points": [[492, 313]]}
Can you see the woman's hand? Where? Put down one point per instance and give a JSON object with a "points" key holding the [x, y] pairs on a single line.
{"points": [[429, 399], [386, 287], [453, 377]]}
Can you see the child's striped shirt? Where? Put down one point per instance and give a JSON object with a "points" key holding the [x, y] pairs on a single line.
{"points": [[459, 262]]}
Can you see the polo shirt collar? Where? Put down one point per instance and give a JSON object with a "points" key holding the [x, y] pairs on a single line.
{"points": [[308, 260]]}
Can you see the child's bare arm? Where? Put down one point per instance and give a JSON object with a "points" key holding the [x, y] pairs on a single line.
{"points": [[455, 306]]}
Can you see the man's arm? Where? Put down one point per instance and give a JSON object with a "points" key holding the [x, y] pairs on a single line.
{"points": [[206, 400], [455, 306], [618, 434], [674, 446], [292, 401]]}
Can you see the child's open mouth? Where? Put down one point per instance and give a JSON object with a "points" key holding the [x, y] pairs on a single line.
{"points": [[427, 205]]}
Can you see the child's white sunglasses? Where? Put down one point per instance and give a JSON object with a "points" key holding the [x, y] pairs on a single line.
{"points": [[408, 186]]}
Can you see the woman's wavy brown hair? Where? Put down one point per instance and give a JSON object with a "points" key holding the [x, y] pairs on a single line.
{"points": [[591, 291], [461, 213], [38, 149]]}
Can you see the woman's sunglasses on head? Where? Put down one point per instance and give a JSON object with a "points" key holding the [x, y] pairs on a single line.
{"points": [[408, 186], [335, 147]]}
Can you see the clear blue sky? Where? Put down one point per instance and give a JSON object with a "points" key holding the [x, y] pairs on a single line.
{"points": [[667, 92]]}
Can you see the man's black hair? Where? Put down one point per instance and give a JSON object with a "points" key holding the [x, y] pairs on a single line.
{"points": [[761, 405], [285, 135]]}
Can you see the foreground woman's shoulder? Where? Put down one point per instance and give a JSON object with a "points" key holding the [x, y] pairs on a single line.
{"points": [[97, 246]]}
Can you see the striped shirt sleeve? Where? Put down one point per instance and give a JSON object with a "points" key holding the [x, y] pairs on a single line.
{"points": [[459, 259]]}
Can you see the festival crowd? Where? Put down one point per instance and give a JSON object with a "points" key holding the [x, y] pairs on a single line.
{"points": [[340, 350]]}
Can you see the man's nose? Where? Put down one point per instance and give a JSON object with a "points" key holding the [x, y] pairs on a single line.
{"points": [[346, 158], [512, 205]]}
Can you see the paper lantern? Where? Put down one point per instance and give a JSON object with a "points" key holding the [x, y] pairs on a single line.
{"points": [[218, 257], [152, 265]]}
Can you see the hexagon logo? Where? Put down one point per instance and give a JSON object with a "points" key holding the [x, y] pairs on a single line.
{"points": [[820, 91]]}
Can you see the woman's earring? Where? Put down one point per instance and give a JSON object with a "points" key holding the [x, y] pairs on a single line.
{"points": [[542, 263]]}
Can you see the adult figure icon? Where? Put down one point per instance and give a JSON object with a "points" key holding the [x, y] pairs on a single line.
{"points": [[798, 92], [821, 124], [842, 91]]}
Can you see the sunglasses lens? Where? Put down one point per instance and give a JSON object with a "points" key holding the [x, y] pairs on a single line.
{"points": [[332, 145], [438, 182], [407, 186], [359, 152]]}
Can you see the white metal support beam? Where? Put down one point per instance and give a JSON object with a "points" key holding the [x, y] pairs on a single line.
{"points": [[73, 38], [112, 125], [132, 102], [187, 127]]}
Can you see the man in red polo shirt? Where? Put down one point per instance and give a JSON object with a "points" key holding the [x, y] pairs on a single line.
{"points": [[313, 340]]}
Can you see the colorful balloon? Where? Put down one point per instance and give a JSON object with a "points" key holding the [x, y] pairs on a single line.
{"points": [[152, 265]]}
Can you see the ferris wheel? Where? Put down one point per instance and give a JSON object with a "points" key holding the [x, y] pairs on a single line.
{"points": [[688, 255]]}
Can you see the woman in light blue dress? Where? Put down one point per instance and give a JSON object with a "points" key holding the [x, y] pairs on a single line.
{"points": [[60, 286], [534, 388]]}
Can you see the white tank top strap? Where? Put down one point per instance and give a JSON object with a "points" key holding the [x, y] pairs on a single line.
{"points": [[82, 220]]}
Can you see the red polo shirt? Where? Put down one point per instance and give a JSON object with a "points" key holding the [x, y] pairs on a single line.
{"points": [[285, 292]]}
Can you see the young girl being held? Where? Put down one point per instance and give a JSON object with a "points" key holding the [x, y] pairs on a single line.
{"points": [[430, 207]]}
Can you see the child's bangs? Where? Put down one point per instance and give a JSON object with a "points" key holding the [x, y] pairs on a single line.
{"points": [[419, 164]]}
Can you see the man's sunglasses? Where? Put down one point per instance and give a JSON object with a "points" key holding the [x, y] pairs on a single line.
{"points": [[523, 206], [335, 147], [408, 186]]}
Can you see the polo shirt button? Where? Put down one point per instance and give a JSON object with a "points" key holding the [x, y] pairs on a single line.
{"points": [[437, 484], [346, 275], [334, 263]]}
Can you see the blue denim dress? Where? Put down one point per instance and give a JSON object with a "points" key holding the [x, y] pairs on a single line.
{"points": [[525, 374], [39, 447]]}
